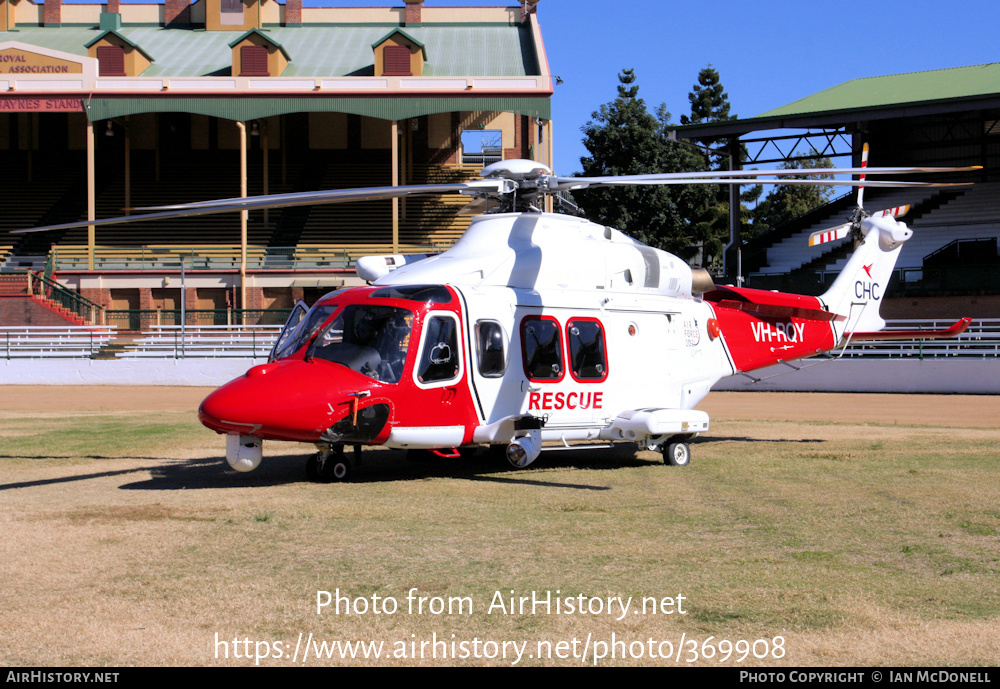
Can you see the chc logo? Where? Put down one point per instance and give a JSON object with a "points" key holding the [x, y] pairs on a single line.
{"points": [[867, 290]]}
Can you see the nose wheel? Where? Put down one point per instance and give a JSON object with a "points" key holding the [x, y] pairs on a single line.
{"points": [[329, 466]]}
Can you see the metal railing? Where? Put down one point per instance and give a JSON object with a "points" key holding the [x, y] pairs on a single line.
{"points": [[46, 342], [205, 341], [143, 258], [45, 288], [145, 319], [163, 340], [980, 341]]}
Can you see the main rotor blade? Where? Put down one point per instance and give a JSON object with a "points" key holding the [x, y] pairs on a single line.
{"points": [[583, 183], [727, 174], [495, 186]]}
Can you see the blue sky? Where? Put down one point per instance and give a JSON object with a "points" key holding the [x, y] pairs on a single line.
{"points": [[768, 52]]}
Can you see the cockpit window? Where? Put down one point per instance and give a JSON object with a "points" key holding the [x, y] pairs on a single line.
{"points": [[439, 356], [307, 327], [292, 322], [369, 339]]}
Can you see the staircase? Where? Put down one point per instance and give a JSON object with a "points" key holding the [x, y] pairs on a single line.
{"points": [[24, 301]]}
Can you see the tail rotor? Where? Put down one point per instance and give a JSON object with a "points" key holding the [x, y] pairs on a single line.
{"points": [[853, 225]]}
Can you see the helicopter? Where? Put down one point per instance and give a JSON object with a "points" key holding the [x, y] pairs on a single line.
{"points": [[535, 330]]}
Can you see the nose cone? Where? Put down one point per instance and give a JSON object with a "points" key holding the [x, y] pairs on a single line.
{"points": [[286, 400]]}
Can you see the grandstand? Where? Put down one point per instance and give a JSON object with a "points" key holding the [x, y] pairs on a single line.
{"points": [[120, 106], [938, 118]]}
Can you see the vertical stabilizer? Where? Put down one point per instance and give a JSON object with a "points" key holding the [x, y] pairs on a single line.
{"points": [[858, 290]]}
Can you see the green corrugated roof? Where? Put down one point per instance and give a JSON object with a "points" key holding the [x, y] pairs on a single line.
{"points": [[898, 89], [345, 50]]}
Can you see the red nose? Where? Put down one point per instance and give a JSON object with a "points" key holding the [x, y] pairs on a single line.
{"points": [[287, 400]]}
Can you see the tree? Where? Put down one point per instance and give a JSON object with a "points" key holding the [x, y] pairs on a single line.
{"points": [[624, 138], [710, 103], [787, 202]]}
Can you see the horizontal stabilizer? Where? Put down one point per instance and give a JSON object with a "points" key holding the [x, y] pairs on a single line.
{"points": [[958, 328]]}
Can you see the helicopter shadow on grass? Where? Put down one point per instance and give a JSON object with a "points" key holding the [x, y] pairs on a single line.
{"points": [[34, 483], [383, 466], [746, 439]]}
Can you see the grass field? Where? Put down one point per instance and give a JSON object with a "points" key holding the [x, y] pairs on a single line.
{"points": [[127, 541]]}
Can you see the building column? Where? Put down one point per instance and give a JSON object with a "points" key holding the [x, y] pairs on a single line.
{"points": [[243, 218], [91, 193], [128, 169], [395, 182]]}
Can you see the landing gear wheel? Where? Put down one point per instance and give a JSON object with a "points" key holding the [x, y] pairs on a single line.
{"points": [[677, 454], [336, 469], [328, 467]]}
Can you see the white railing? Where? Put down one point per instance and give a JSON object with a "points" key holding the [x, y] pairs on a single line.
{"points": [[55, 341], [981, 341], [208, 341]]}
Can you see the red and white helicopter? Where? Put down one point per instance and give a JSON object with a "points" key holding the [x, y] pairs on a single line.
{"points": [[534, 329]]}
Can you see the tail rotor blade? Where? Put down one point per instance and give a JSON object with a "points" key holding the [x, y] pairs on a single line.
{"points": [[895, 212], [861, 177], [831, 235]]}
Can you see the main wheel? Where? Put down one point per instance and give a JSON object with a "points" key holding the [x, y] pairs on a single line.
{"points": [[677, 454], [328, 467], [336, 468]]}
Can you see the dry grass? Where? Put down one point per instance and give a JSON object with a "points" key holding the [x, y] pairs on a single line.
{"points": [[128, 542]]}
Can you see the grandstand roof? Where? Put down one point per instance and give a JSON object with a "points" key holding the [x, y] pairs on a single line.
{"points": [[501, 49], [895, 95]]}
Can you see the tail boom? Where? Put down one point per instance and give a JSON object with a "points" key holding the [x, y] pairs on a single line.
{"points": [[762, 328]]}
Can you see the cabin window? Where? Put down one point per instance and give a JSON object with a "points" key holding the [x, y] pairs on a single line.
{"points": [[253, 61], [396, 61], [111, 60], [439, 356], [587, 355], [541, 345], [491, 348]]}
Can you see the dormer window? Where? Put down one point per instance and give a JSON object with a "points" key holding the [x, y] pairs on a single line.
{"points": [[255, 54], [398, 54], [117, 56], [397, 61], [111, 60], [253, 61]]}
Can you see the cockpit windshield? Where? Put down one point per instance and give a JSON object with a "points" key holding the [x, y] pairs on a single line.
{"points": [[291, 341], [369, 339]]}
